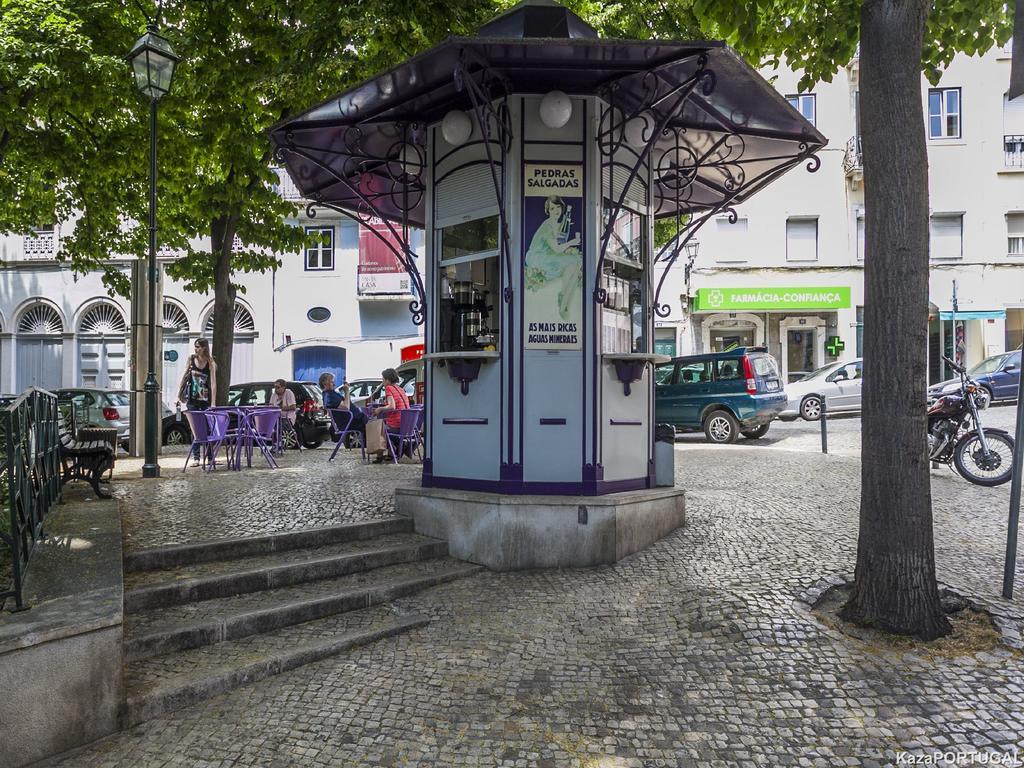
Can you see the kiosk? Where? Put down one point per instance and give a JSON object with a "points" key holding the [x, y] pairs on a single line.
{"points": [[537, 158]]}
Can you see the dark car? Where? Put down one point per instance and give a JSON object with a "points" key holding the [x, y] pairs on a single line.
{"points": [[998, 378], [727, 394], [312, 422]]}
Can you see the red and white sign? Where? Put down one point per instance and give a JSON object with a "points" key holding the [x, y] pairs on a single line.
{"points": [[380, 271]]}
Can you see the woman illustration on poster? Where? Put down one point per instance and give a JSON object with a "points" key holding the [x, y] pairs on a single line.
{"points": [[553, 255]]}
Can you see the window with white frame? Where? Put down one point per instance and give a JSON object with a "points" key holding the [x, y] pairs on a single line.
{"points": [[946, 239], [801, 239], [320, 253], [731, 245], [860, 235], [944, 111], [805, 104], [1015, 234]]}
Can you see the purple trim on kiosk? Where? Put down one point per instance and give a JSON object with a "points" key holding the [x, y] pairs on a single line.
{"points": [[552, 422], [585, 488], [463, 421]]}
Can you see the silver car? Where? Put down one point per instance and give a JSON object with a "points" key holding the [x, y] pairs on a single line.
{"points": [[107, 408], [838, 384]]}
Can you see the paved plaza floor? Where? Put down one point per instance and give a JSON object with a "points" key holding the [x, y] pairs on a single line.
{"points": [[698, 651]]}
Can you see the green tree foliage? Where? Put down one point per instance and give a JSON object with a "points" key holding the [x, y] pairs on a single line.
{"points": [[895, 586]]}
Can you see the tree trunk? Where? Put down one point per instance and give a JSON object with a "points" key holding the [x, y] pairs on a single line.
{"points": [[895, 586], [222, 233]]}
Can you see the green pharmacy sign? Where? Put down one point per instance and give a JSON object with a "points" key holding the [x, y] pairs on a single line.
{"points": [[733, 299]]}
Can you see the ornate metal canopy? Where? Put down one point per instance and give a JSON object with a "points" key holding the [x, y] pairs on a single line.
{"points": [[713, 130]]}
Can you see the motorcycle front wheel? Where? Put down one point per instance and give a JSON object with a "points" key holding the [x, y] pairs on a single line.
{"points": [[971, 463]]}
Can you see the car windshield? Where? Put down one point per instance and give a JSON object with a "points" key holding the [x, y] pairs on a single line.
{"points": [[821, 371], [988, 365], [118, 398]]}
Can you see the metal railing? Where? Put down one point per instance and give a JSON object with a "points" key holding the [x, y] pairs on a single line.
{"points": [[1013, 149], [853, 158], [29, 482]]}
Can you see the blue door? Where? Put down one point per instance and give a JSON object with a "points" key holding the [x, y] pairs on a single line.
{"points": [[309, 362]]}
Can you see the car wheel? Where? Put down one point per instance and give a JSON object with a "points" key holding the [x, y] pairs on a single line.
{"points": [[311, 444], [721, 427], [810, 408], [177, 434], [756, 432]]}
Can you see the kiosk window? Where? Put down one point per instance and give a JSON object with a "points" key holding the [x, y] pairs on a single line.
{"points": [[624, 324], [469, 237]]}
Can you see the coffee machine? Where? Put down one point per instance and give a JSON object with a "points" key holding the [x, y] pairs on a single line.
{"points": [[468, 314]]}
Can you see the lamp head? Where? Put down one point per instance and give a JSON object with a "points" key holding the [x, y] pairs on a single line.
{"points": [[153, 61]]}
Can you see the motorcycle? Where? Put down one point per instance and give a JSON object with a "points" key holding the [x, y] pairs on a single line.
{"points": [[982, 455]]}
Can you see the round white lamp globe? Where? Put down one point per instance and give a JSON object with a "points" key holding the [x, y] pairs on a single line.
{"points": [[555, 109], [410, 159], [456, 127]]}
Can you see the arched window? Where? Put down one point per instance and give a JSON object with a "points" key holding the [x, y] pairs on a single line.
{"points": [[175, 320], [103, 320], [39, 348], [102, 351], [243, 321], [40, 319]]}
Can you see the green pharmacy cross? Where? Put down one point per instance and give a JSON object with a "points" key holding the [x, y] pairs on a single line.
{"points": [[835, 346]]}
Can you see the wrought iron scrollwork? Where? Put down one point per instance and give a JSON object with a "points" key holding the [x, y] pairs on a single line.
{"points": [[373, 182], [626, 139], [495, 125]]}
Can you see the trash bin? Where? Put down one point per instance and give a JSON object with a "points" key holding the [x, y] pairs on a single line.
{"points": [[664, 455]]}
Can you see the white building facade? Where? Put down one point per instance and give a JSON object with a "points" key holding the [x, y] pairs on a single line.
{"points": [[339, 306], [788, 272]]}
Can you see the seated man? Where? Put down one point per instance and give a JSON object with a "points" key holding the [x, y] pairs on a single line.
{"points": [[333, 400], [284, 398]]}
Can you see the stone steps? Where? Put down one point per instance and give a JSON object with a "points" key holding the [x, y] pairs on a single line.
{"points": [[227, 549], [192, 625], [166, 683], [204, 618], [207, 581]]}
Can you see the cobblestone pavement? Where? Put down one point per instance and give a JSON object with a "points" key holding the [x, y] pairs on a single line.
{"points": [[695, 652], [305, 491]]}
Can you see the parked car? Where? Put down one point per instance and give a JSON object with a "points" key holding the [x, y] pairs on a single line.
{"points": [[727, 394], [111, 408], [371, 390], [997, 378], [312, 424], [837, 384]]}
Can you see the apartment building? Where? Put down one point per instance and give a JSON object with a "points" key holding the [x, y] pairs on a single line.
{"points": [[341, 305], [788, 273]]}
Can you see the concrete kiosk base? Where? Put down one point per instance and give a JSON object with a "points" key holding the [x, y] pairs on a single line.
{"points": [[508, 533]]}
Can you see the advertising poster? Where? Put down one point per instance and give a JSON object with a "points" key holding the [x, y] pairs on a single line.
{"points": [[380, 272], [553, 262]]}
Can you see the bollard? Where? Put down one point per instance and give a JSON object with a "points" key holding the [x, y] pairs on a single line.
{"points": [[824, 428]]}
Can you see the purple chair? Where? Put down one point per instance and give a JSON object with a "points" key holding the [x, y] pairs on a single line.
{"points": [[408, 434], [209, 432], [264, 432], [342, 422]]}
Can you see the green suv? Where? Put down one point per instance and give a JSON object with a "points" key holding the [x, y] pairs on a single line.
{"points": [[727, 394]]}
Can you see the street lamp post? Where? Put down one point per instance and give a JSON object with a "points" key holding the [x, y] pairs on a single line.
{"points": [[691, 256], [153, 62]]}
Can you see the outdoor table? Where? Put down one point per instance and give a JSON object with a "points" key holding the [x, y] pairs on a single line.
{"points": [[245, 431]]}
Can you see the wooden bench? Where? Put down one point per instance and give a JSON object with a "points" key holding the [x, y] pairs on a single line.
{"points": [[85, 460]]}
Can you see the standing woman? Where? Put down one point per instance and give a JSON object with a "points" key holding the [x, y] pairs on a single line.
{"points": [[198, 387]]}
